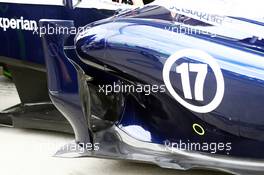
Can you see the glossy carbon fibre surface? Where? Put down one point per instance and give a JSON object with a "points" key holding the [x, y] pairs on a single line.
{"points": [[116, 144], [132, 49]]}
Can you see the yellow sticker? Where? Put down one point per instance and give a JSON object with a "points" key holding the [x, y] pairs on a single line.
{"points": [[198, 129]]}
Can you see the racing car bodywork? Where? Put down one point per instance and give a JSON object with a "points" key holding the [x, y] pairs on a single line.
{"points": [[162, 87], [22, 55]]}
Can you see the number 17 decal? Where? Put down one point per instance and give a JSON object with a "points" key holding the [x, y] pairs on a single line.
{"points": [[201, 69]]}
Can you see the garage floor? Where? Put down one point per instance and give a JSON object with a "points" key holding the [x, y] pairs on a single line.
{"points": [[29, 152]]}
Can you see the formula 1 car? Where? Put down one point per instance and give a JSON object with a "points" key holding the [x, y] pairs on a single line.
{"points": [[163, 84], [22, 55]]}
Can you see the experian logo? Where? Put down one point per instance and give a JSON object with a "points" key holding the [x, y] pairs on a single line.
{"points": [[6, 23]]}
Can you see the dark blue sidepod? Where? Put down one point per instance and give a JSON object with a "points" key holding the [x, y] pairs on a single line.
{"points": [[151, 90]]}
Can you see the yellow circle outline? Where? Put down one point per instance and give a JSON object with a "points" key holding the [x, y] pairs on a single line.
{"points": [[200, 127]]}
